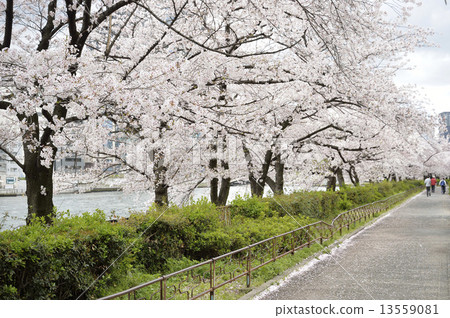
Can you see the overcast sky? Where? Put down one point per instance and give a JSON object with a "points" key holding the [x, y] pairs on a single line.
{"points": [[431, 71]]}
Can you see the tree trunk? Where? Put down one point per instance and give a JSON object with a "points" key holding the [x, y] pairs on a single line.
{"points": [[331, 183], [162, 194], [257, 185], [8, 24], [161, 187], [353, 176], [340, 178], [160, 170], [279, 176], [39, 180], [225, 185], [277, 186], [219, 196]]}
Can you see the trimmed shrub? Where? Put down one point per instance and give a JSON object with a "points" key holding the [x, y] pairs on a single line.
{"points": [[356, 196], [251, 207], [317, 205], [193, 231], [60, 261], [246, 231]]}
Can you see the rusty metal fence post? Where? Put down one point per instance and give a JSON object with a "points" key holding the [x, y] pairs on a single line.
{"points": [[308, 238], [249, 266], [321, 234], [274, 243], [212, 277], [293, 243], [163, 288]]}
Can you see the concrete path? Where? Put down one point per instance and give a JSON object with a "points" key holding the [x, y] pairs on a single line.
{"points": [[404, 255]]}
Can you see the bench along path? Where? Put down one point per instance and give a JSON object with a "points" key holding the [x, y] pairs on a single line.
{"points": [[404, 255]]}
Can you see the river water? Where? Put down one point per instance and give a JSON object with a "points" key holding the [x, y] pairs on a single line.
{"points": [[13, 210]]}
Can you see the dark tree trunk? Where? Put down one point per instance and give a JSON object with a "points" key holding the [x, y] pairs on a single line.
{"points": [[161, 187], [225, 185], [331, 183], [271, 184], [340, 178], [279, 176], [160, 170], [8, 24], [39, 180], [213, 190], [214, 183], [219, 196], [161, 194], [257, 185], [353, 176], [277, 186]]}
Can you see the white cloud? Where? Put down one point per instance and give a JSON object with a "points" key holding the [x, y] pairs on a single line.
{"points": [[431, 65]]}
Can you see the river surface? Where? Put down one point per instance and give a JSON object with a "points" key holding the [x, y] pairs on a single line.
{"points": [[13, 210]]}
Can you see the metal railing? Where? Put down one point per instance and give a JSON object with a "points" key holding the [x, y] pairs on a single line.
{"points": [[12, 192], [201, 281]]}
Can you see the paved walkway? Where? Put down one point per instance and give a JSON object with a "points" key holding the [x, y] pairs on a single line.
{"points": [[404, 255]]}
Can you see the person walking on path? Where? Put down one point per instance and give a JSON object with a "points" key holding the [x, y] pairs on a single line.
{"points": [[433, 184], [443, 184], [428, 186]]}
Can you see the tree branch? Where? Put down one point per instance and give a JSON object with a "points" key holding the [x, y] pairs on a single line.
{"points": [[46, 32], [89, 26], [4, 105], [320, 130], [13, 157], [216, 50], [71, 21], [154, 45], [8, 24], [110, 46], [86, 15]]}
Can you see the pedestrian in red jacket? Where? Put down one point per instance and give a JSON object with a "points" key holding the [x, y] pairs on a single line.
{"points": [[433, 184]]}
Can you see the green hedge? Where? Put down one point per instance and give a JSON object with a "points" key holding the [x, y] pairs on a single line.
{"points": [[60, 261], [327, 204], [192, 231], [318, 205], [196, 231]]}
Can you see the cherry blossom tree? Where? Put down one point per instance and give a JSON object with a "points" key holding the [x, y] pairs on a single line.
{"points": [[140, 86], [49, 83]]}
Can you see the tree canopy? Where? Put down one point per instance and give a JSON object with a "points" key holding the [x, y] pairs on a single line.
{"points": [[174, 93]]}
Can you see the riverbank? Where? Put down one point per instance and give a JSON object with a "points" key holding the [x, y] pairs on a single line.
{"points": [[21, 192], [113, 203]]}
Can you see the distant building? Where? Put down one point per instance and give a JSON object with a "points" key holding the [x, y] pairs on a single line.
{"points": [[10, 172], [445, 116], [69, 164]]}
